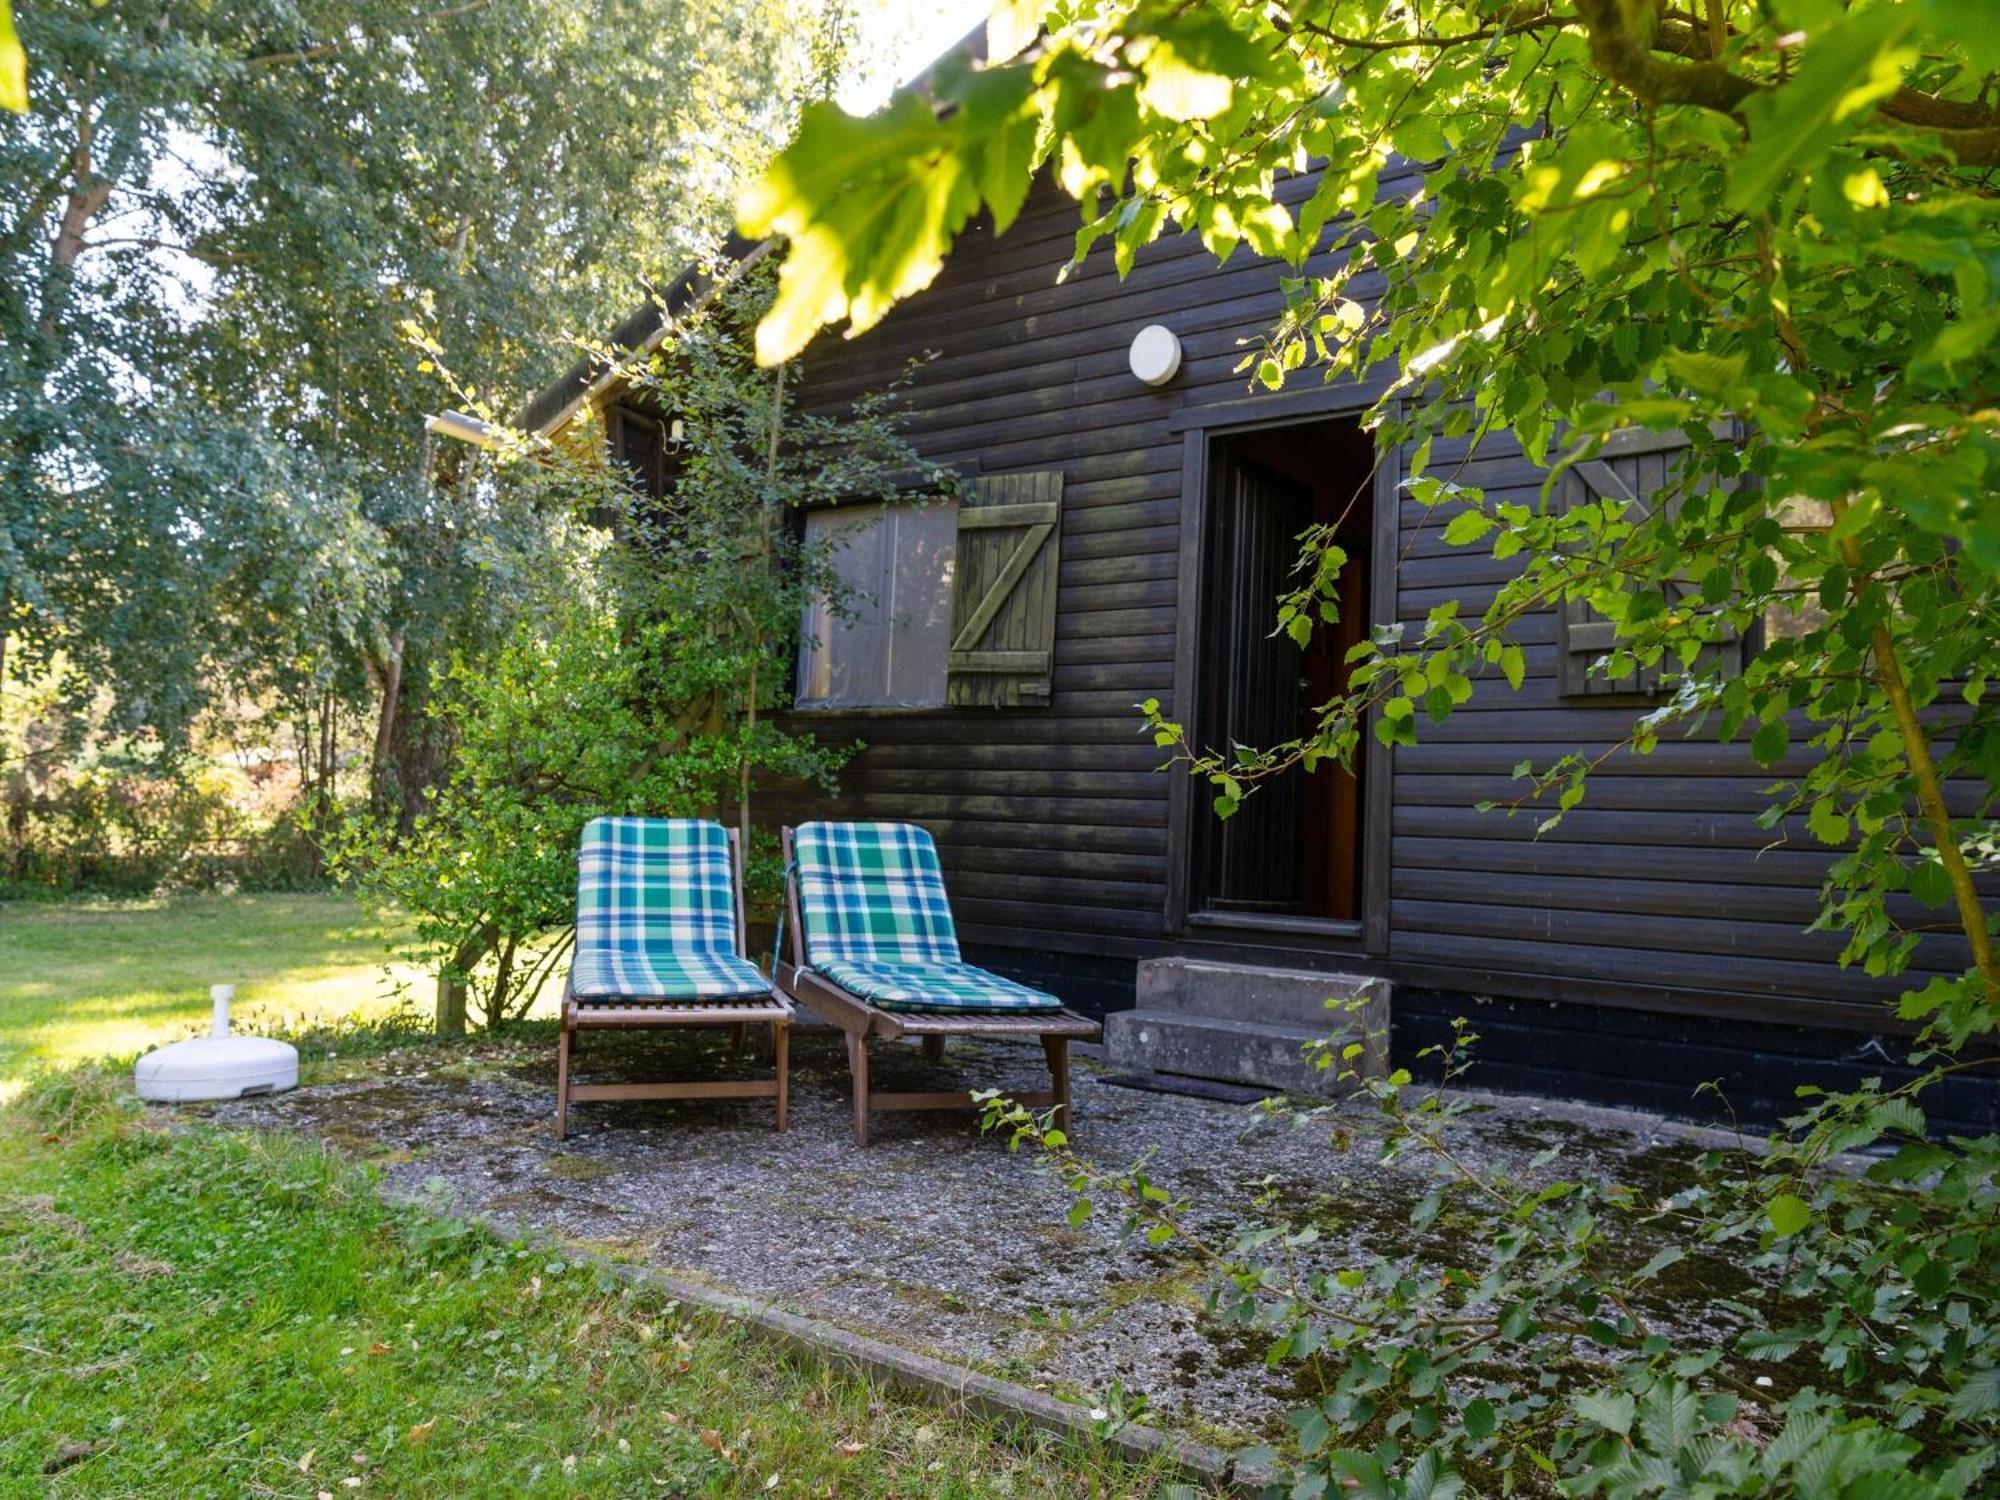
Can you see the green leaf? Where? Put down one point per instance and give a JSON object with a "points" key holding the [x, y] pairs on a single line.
{"points": [[1849, 65], [1311, 1425], [1704, 373], [1467, 526], [13, 63], [1929, 883], [1769, 743], [1788, 1214], [1479, 1419], [1611, 1410]]}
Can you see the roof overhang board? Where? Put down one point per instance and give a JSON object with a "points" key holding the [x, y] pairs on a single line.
{"points": [[592, 380]]}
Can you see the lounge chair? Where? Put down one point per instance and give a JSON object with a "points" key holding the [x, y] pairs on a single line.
{"points": [[874, 951], [659, 943]]}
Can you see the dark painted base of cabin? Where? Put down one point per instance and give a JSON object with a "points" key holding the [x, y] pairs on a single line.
{"points": [[1645, 1060], [1595, 1054]]}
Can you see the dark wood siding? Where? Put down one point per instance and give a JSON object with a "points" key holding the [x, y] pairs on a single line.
{"points": [[1057, 831]]}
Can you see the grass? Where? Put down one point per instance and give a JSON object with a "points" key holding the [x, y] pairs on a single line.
{"points": [[241, 1312], [92, 979], [197, 1311]]}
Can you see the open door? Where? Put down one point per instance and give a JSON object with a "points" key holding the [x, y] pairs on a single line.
{"points": [[1293, 850]]}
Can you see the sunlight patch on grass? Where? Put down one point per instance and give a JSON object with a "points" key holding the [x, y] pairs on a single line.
{"points": [[108, 979]]}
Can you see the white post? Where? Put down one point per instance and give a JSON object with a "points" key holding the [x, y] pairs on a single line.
{"points": [[221, 994]]}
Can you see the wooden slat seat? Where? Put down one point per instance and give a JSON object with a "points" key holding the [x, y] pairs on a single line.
{"points": [[659, 1012], [861, 1021]]}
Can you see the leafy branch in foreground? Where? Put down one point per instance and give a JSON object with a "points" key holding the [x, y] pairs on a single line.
{"points": [[1559, 1334], [1763, 231]]}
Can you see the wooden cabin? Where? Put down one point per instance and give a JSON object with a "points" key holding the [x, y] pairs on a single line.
{"points": [[1121, 541]]}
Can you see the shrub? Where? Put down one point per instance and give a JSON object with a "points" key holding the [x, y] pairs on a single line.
{"points": [[1525, 1350]]}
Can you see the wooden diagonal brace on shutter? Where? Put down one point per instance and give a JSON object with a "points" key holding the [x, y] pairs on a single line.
{"points": [[1015, 568], [1002, 645]]}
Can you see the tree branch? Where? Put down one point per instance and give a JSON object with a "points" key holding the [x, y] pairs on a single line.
{"points": [[1629, 62], [1971, 131], [327, 49]]}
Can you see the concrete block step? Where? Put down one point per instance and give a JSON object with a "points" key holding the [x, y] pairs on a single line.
{"points": [[1162, 1041], [1259, 995]]}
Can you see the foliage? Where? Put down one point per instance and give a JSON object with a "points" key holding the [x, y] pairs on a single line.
{"points": [[582, 714], [646, 681], [245, 1313], [1802, 1328], [725, 548], [86, 808], [1767, 228], [216, 489]]}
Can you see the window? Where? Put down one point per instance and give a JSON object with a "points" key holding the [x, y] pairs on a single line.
{"points": [[1634, 468], [884, 644], [638, 443]]}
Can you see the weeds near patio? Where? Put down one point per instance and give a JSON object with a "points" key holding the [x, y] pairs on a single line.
{"points": [[214, 1311], [1518, 1344]]}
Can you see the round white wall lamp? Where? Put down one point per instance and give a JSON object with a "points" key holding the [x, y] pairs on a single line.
{"points": [[1156, 354]]}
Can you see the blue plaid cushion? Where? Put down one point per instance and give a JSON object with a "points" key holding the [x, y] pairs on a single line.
{"points": [[656, 914], [877, 921], [958, 986], [872, 893]]}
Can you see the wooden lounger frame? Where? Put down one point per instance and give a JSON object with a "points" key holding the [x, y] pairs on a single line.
{"points": [[860, 1022], [643, 1012]]}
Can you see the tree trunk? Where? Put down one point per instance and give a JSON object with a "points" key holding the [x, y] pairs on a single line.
{"points": [[450, 1006], [1930, 787], [413, 751], [503, 978], [389, 672], [454, 979]]}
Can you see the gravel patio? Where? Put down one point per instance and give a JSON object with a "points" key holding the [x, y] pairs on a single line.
{"points": [[936, 1237]]}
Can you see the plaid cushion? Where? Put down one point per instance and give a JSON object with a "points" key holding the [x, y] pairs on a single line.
{"points": [[872, 893], [877, 921], [957, 986], [656, 913]]}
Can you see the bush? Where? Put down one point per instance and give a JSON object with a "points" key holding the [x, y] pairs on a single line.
{"points": [[1525, 1350], [580, 715]]}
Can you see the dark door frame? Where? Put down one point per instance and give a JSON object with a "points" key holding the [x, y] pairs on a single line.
{"points": [[1199, 428]]}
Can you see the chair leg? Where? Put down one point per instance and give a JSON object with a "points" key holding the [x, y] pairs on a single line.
{"points": [[739, 1034], [781, 1047], [562, 1080], [1057, 1048], [933, 1049], [857, 1065]]}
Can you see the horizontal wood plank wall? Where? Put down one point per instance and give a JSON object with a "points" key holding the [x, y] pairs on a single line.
{"points": [[1052, 822]]}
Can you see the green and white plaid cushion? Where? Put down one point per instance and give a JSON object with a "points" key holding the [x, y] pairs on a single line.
{"points": [[656, 914], [877, 922], [959, 986]]}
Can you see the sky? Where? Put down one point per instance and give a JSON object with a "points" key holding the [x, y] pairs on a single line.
{"points": [[906, 35]]}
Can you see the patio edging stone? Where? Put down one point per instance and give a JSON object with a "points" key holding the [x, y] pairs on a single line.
{"points": [[933, 1380]]}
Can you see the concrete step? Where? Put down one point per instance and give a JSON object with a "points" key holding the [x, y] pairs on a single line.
{"points": [[1165, 1041], [1261, 996]]}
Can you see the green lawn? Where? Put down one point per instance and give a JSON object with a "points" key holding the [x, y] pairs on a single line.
{"points": [[195, 1311], [199, 1312], [97, 979]]}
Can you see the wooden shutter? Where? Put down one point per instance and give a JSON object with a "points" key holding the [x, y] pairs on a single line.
{"points": [[1633, 467], [1003, 606]]}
